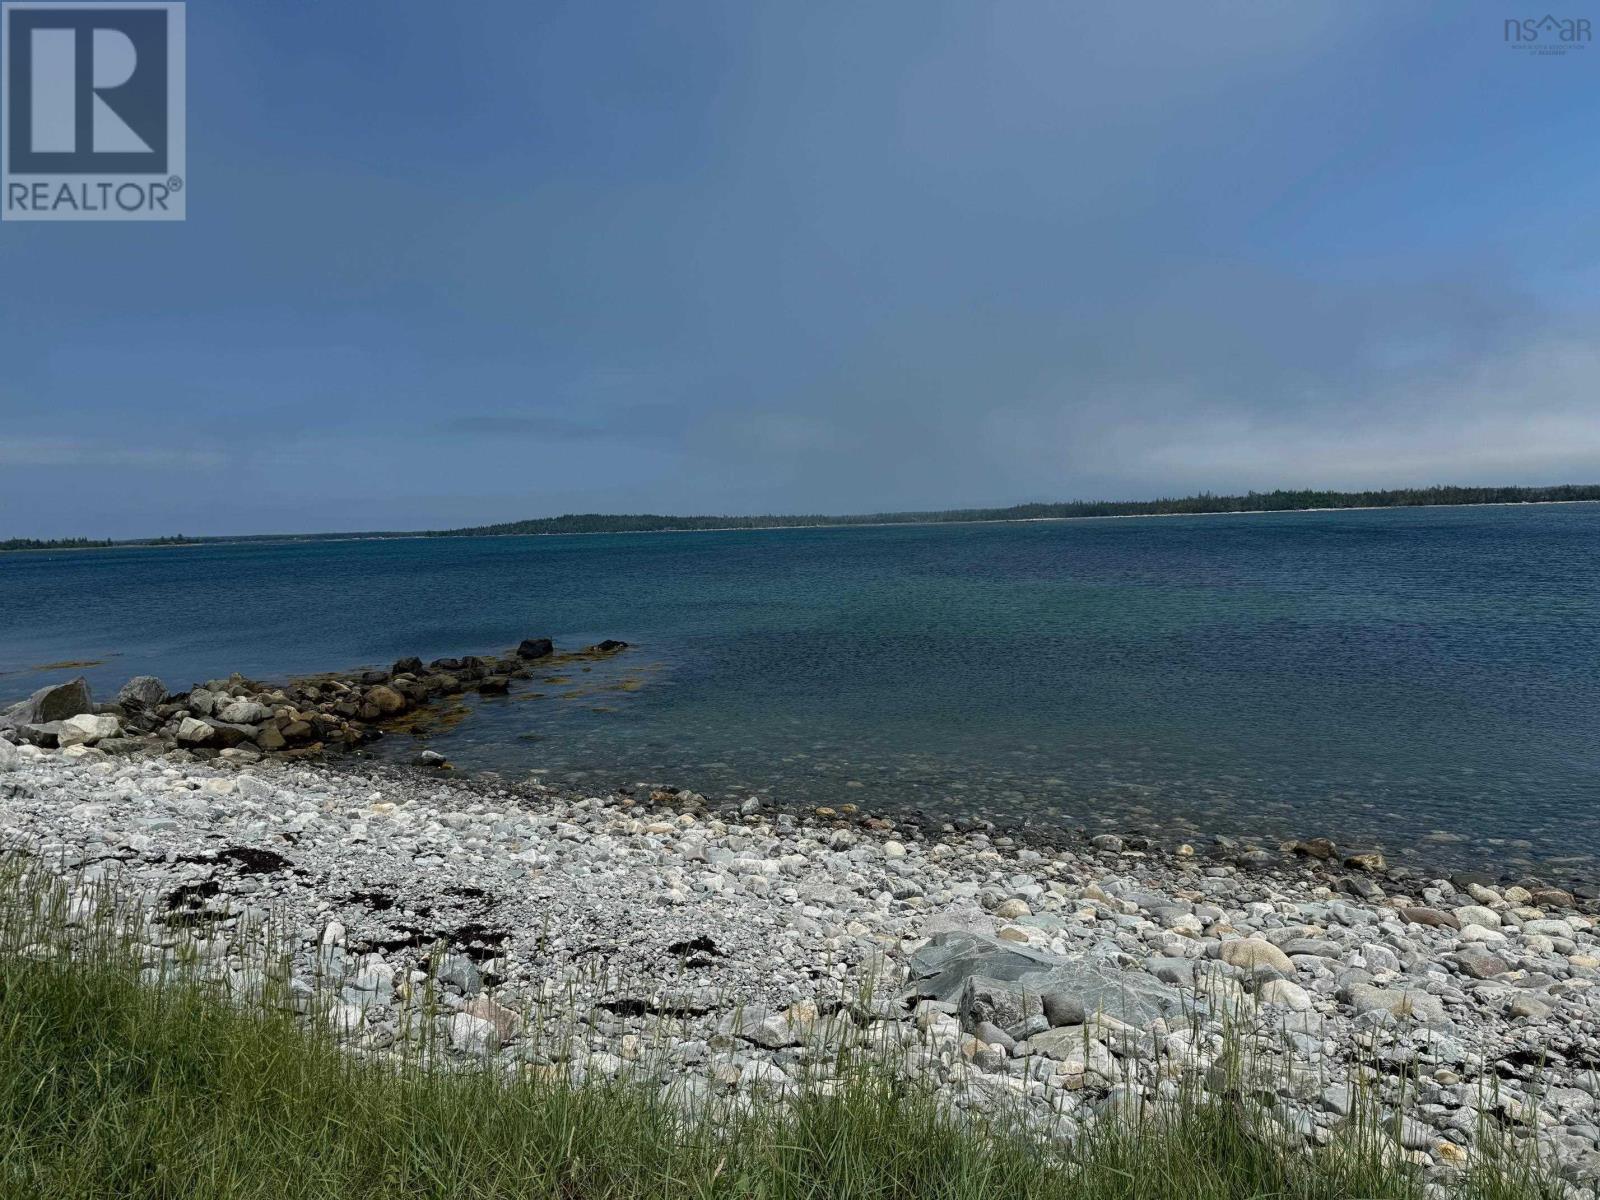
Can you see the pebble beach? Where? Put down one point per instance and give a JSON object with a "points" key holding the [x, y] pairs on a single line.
{"points": [[730, 951]]}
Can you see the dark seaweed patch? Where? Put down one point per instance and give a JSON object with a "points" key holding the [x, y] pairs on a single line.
{"points": [[253, 861], [696, 945]]}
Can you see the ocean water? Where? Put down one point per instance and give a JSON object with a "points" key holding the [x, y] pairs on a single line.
{"points": [[1427, 680]]}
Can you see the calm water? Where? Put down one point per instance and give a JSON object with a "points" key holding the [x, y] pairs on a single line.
{"points": [[1427, 679]]}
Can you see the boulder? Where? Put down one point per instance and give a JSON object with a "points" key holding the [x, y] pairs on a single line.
{"points": [[10, 760], [1420, 1006], [142, 691], [1250, 953], [535, 648], [407, 666], [86, 729], [195, 732], [1069, 989], [56, 702], [386, 700], [495, 685], [609, 646], [1317, 847], [1007, 1005], [1437, 918], [244, 712], [41, 733], [1480, 963], [230, 733], [202, 702], [270, 737], [1365, 860]]}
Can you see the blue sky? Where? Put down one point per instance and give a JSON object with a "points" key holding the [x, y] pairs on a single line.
{"points": [[449, 264]]}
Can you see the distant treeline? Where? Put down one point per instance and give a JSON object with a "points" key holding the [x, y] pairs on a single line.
{"points": [[53, 544], [95, 543], [1205, 502]]}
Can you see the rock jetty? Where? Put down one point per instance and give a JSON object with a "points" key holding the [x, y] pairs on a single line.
{"points": [[244, 720]]}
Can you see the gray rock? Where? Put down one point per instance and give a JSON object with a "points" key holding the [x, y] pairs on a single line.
{"points": [[142, 691], [87, 729], [244, 712], [1004, 1003], [201, 702], [56, 702], [41, 733], [762, 1026], [473, 1035], [1413, 1003], [1078, 986], [459, 972], [1478, 962]]}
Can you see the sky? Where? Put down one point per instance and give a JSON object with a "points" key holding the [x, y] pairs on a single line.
{"points": [[453, 264]]}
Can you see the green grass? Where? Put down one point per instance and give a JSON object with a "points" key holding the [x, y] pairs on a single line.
{"points": [[113, 1087]]}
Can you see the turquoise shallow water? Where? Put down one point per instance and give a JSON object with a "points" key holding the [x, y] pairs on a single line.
{"points": [[1428, 679]]}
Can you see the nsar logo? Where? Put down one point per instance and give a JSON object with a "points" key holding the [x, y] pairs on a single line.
{"points": [[92, 114], [1547, 35]]}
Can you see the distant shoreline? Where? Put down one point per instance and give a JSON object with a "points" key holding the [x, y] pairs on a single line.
{"points": [[913, 520]]}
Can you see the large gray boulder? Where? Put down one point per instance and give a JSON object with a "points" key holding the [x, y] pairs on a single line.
{"points": [[1069, 990], [56, 702], [142, 691]]}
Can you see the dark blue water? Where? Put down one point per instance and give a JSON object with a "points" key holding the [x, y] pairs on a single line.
{"points": [[1428, 679]]}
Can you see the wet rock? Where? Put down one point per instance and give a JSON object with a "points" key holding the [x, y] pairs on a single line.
{"points": [[1318, 848], [1366, 860], [535, 648], [386, 700]]}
